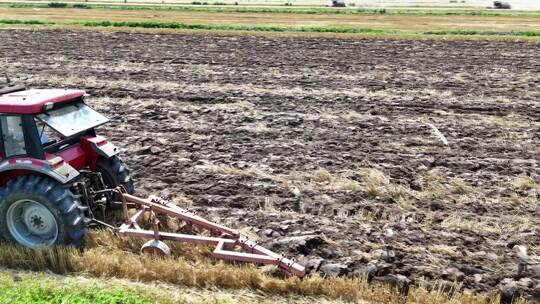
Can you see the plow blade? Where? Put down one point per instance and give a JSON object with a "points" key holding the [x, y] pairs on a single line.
{"points": [[229, 243]]}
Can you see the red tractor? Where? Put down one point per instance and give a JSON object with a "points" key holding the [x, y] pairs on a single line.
{"points": [[53, 166], [56, 173]]}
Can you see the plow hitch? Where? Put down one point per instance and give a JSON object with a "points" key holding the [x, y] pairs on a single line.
{"points": [[229, 243]]}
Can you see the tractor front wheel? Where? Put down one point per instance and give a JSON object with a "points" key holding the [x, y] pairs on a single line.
{"points": [[115, 173], [37, 211]]}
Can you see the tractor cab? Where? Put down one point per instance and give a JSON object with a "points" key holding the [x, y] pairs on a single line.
{"points": [[52, 127], [53, 166]]}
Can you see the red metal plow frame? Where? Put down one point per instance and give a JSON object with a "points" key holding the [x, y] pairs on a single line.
{"points": [[226, 241]]}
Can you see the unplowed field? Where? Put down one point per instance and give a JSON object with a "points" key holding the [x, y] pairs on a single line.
{"points": [[325, 149]]}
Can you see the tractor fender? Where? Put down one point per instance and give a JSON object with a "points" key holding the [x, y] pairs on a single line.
{"points": [[55, 168], [96, 146]]}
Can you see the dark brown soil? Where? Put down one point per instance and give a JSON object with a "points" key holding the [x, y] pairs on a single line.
{"points": [[237, 123]]}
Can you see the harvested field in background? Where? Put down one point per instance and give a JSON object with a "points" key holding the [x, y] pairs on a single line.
{"points": [[413, 23], [319, 145]]}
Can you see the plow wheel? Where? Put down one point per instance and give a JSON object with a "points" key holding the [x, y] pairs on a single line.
{"points": [[156, 248]]}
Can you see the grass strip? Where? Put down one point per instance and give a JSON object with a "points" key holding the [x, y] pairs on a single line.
{"points": [[309, 29], [27, 22], [257, 28], [230, 8], [40, 289], [273, 28]]}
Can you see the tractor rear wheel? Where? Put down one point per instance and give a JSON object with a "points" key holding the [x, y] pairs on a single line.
{"points": [[115, 173], [37, 211]]}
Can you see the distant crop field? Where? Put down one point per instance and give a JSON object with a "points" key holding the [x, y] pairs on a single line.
{"points": [[402, 22], [435, 4], [360, 22]]}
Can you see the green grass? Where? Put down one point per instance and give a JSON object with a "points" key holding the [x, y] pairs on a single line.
{"points": [[308, 29], [81, 5], [40, 289], [57, 5], [257, 28], [26, 22], [273, 28], [289, 10]]}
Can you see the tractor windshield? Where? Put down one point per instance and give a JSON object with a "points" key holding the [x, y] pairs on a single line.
{"points": [[72, 119]]}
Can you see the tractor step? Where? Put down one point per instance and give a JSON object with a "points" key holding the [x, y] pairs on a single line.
{"points": [[229, 243]]}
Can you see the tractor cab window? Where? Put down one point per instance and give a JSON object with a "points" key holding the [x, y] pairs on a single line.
{"points": [[72, 119], [12, 135], [47, 135]]}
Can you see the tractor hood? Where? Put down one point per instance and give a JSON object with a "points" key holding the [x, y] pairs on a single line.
{"points": [[33, 101]]}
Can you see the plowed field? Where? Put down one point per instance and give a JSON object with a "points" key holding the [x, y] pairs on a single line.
{"points": [[329, 150]]}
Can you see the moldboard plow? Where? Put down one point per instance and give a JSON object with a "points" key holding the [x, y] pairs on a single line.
{"points": [[229, 243]]}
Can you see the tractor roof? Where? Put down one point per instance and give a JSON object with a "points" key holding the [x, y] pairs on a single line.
{"points": [[32, 101]]}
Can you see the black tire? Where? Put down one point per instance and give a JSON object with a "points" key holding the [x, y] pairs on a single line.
{"points": [[57, 198], [115, 173]]}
